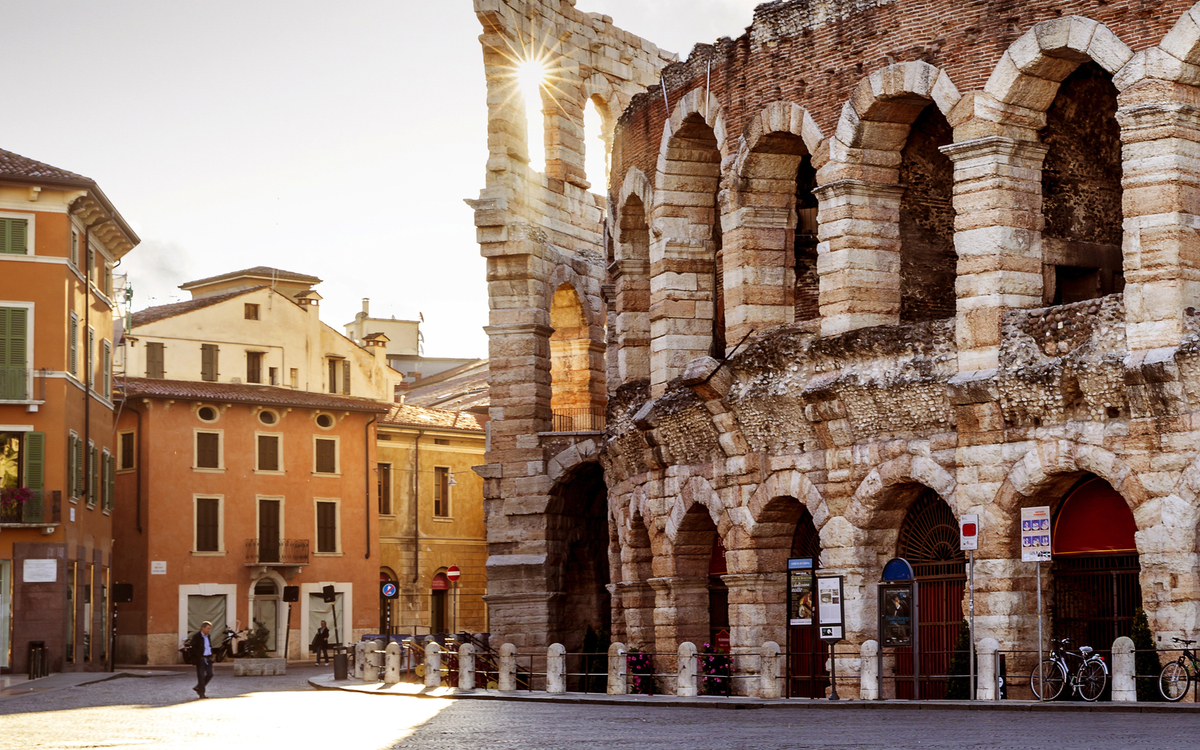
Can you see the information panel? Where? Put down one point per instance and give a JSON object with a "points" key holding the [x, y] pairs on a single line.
{"points": [[829, 608], [800, 591], [895, 615], [1035, 534]]}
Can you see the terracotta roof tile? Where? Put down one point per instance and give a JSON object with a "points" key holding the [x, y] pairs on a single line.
{"points": [[15, 165], [462, 388], [256, 271], [407, 415], [161, 312], [242, 393]]}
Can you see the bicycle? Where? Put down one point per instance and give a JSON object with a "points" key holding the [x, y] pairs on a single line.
{"points": [[1174, 678], [1088, 680]]}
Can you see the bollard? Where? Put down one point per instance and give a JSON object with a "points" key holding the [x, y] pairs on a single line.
{"points": [[556, 668], [360, 659], [374, 660], [618, 665], [685, 685], [768, 671], [507, 679], [466, 667], [391, 663], [1124, 686], [433, 663], [868, 680], [985, 675], [411, 647]]}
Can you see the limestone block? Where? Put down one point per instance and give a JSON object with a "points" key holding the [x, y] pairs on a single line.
{"points": [[259, 667], [507, 679], [618, 665], [1010, 85], [987, 661], [1183, 40], [868, 671], [466, 667], [687, 665], [556, 669], [433, 663], [1124, 688]]}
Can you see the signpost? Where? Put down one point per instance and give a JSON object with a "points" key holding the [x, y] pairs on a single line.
{"points": [[1035, 547], [899, 625], [389, 591], [831, 622], [453, 574], [968, 541]]}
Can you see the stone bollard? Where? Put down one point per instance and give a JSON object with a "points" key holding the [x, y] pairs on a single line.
{"points": [[985, 673], [768, 671], [868, 679], [433, 663], [618, 665], [391, 663], [507, 679], [374, 660], [1124, 686], [411, 647], [360, 659], [556, 668], [685, 684], [466, 667]]}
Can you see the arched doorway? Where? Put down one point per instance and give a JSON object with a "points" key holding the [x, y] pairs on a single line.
{"points": [[718, 598], [807, 654], [929, 541], [1095, 566], [264, 611], [438, 622], [577, 537]]}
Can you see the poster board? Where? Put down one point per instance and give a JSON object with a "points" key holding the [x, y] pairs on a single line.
{"points": [[800, 591], [1035, 534], [895, 614], [830, 612]]}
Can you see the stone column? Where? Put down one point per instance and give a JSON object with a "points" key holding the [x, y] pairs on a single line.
{"points": [[556, 668], [391, 663], [637, 604], [1124, 688], [759, 279], [466, 667], [680, 614], [757, 613], [618, 667], [998, 236], [858, 257], [374, 661], [507, 679], [433, 664], [631, 279], [868, 683], [768, 671], [685, 669], [985, 673], [1160, 134]]}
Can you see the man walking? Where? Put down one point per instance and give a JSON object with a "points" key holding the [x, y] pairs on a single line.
{"points": [[202, 648], [321, 643]]}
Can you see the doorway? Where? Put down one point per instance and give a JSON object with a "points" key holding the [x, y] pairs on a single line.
{"points": [[437, 604], [264, 612], [807, 654]]}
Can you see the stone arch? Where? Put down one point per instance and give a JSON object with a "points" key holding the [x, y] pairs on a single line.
{"points": [[1182, 42], [590, 301], [577, 387], [1030, 70], [696, 491], [788, 483], [686, 307], [630, 276], [870, 498], [895, 259], [577, 553]]}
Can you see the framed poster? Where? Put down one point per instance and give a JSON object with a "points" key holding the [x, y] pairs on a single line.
{"points": [[800, 591], [830, 617], [895, 614], [1035, 534]]}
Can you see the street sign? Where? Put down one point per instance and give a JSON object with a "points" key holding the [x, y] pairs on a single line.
{"points": [[388, 590], [453, 573], [1035, 534], [968, 532]]}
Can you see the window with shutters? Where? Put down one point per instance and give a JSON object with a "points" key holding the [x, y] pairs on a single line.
{"points": [[74, 249], [251, 311], [11, 463], [346, 377], [91, 358], [441, 491], [22, 464], [274, 376], [254, 368], [14, 236], [14, 353], [93, 472], [106, 369], [208, 450], [108, 280], [270, 449], [75, 467], [73, 345], [126, 457], [384, 472], [106, 481], [334, 369], [208, 362], [154, 360], [327, 527], [208, 524], [325, 455]]}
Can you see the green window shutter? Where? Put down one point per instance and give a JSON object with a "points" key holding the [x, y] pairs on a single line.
{"points": [[94, 475], [71, 465], [13, 342], [346, 377], [73, 364], [74, 249], [79, 467], [35, 463], [13, 234], [111, 486], [90, 379], [106, 373]]}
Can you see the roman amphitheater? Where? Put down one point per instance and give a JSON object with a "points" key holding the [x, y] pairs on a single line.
{"points": [[866, 268]]}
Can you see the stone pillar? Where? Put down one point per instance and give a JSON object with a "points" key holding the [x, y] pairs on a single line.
{"points": [[985, 671], [631, 279], [858, 257], [391, 663], [768, 671], [374, 661], [1124, 687], [466, 667], [998, 236], [433, 664], [360, 659], [411, 647], [618, 667], [637, 603], [507, 679], [757, 612], [685, 669], [680, 614], [1159, 122], [759, 280], [556, 668], [868, 676]]}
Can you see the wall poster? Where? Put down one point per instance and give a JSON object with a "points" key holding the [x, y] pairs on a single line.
{"points": [[895, 615], [829, 608], [800, 591]]}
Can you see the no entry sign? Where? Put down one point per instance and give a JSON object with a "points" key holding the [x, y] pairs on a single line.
{"points": [[453, 572]]}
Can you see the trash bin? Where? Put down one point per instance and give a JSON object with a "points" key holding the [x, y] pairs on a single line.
{"points": [[38, 663], [340, 665]]}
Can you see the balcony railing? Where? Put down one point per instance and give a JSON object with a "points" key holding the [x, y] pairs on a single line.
{"points": [[14, 383], [584, 419], [277, 552], [42, 508]]}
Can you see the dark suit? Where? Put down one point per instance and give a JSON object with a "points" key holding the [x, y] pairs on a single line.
{"points": [[321, 644], [204, 670]]}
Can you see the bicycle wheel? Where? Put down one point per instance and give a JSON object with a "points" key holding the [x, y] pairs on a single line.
{"points": [[1052, 675], [1173, 681], [1092, 678]]}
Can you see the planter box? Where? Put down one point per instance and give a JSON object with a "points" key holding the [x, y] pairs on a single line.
{"points": [[259, 667]]}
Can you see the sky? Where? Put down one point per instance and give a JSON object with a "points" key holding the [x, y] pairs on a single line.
{"points": [[331, 139]]}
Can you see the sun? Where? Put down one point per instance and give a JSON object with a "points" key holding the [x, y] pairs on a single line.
{"points": [[531, 75]]}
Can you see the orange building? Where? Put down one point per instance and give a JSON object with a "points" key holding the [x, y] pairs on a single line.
{"points": [[227, 494], [59, 240]]}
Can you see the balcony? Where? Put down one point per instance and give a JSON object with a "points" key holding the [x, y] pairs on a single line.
{"points": [[43, 510], [583, 419], [276, 552]]}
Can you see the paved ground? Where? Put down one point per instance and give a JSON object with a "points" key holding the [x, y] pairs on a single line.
{"points": [[159, 710]]}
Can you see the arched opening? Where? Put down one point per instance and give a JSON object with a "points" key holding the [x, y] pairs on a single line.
{"points": [[718, 598], [531, 78], [807, 654], [1081, 190], [631, 277], [387, 608], [683, 302], [928, 262], [635, 625], [696, 552], [804, 247], [595, 147], [929, 541], [439, 620], [577, 557], [264, 612], [577, 398]]}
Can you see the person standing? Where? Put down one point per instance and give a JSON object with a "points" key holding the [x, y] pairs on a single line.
{"points": [[202, 648], [321, 643]]}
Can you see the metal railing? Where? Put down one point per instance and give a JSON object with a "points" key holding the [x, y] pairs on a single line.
{"points": [[14, 383], [41, 508], [277, 552], [583, 419]]}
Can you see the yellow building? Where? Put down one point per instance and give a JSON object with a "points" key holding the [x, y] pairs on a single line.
{"points": [[431, 519]]}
